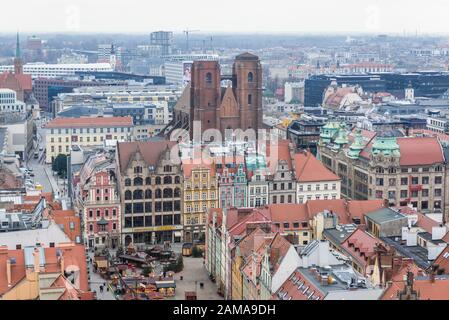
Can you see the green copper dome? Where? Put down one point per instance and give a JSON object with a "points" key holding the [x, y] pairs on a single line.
{"points": [[329, 131], [357, 146], [387, 146], [342, 138]]}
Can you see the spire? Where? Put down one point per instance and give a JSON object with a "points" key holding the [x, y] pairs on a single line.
{"points": [[18, 67], [18, 47]]}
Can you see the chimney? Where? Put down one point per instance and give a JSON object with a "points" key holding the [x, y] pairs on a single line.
{"points": [[8, 271], [36, 260], [276, 254], [61, 262], [432, 277]]}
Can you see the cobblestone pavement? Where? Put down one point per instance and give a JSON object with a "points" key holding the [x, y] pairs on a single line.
{"points": [[95, 282], [194, 271]]}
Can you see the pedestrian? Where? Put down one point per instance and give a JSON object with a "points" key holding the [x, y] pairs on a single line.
{"points": [[101, 289]]}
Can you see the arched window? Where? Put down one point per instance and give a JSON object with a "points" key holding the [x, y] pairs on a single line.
{"points": [[168, 193], [158, 194], [208, 78], [158, 180], [138, 181], [137, 194], [147, 181], [128, 195], [250, 99], [167, 180], [177, 193], [148, 194], [250, 77], [177, 179], [128, 182]]}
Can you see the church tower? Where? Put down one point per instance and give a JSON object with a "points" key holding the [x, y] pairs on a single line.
{"points": [[113, 58], [410, 93], [247, 75], [205, 94], [18, 65]]}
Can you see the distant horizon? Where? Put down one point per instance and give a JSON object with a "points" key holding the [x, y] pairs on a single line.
{"points": [[247, 17], [238, 33]]}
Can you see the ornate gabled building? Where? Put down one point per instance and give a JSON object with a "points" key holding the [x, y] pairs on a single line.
{"points": [[282, 183], [99, 203], [231, 176], [401, 170], [257, 173], [200, 195], [237, 106], [150, 186]]}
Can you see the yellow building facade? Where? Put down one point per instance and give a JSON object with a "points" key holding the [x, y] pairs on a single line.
{"points": [[63, 133], [200, 195]]}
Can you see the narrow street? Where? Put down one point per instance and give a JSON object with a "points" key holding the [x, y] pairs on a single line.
{"points": [[96, 281]]}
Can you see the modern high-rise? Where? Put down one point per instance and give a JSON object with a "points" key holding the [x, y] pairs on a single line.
{"points": [[163, 39]]}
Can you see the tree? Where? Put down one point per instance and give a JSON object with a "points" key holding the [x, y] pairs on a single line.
{"points": [[146, 270], [60, 165], [175, 266]]}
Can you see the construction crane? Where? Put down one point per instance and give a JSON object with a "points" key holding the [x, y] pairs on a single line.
{"points": [[187, 32]]}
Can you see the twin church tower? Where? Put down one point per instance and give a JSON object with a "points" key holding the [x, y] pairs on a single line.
{"points": [[237, 106]]}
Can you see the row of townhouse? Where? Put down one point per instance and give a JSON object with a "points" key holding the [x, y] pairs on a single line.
{"points": [[252, 255], [144, 195]]}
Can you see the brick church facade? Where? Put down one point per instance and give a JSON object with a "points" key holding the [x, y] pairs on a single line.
{"points": [[237, 106]]}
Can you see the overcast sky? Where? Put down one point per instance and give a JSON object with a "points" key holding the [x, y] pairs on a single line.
{"points": [[361, 16]]}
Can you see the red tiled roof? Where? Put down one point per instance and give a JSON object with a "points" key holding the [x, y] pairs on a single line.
{"points": [[90, 122], [278, 249], [23, 80], [446, 238], [429, 133], [256, 216], [64, 218], [426, 223], [420, 151], [292, 291], [74, 256], [278, 152], [252, 242], [358, 208], [364, 242], [442, 261], [345, 210], [310, 169], [336, 98], [17, 270], [428, 290]]}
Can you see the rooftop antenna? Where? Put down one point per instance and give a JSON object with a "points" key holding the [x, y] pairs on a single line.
{"points": [[187, 32]]}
